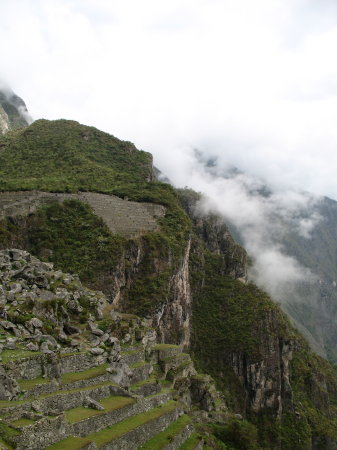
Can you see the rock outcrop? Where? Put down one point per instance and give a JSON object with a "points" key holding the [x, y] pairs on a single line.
{"points": [[13, 111]]}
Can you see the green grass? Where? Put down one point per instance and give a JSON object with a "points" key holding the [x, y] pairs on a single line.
{"points": [[165, 437], [8, 403], [12, 355], [129, 352], [109, 404], [139, 364], [84, 375], [22, 422], [117, 430], [8, 433], [64, 155], [141, 383], [73, 391], [164, 346], [70, 443], [191, 442], [5, 445], [26, 385]]}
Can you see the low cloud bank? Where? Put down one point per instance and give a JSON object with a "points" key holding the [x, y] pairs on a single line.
{"points": [[261, 218]]}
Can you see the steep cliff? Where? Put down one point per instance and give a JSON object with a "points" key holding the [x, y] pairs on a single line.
{"points": [[13, 111]]}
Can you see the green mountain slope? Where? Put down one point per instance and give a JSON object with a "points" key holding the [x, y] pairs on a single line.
{"points": [[63, 155]]}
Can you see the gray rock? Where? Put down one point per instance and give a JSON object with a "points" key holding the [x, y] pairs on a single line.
{"points": [[44, 348], [16, 288], [96, 351], [9, 388], [35, 322], [93, 404], [32, 347], [10, 344]]}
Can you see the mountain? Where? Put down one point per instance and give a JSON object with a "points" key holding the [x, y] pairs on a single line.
{"points": [[314, 302], [89, 204], [311, 301], [13, 111]]}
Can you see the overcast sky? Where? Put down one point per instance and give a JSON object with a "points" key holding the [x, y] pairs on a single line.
{"points": [[252, 82]]}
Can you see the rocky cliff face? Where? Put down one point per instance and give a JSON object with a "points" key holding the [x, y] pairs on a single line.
{"points": [[4, 121], [14, 111]]}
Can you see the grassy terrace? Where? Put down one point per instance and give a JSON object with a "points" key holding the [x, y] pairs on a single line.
{"points": [[191, 442], [73, 443], [7, 403], [66, 378], [110, 404], [10, 355], [165, 346], [141, 383], [84, 375], [26, 385], [165, 437], [22, 422], [123, 427], [139, 364], [73, 391]]}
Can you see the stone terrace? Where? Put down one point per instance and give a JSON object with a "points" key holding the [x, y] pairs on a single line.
{"points": [[89, 410], [124, 217]]}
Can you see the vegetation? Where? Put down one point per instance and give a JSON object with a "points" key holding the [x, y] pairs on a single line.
{"points": [[63, 155], [239, 434], [191, 442], [94, 372], [109, 404], [165, 437], [22, 422], [72, 442], [26, 385], [120, 428]]}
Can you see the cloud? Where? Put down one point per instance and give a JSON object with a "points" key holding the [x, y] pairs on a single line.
{"points": [[252, 83], [261, 218]]}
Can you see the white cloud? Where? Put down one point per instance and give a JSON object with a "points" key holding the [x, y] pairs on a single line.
{"points": [[253, 83]]}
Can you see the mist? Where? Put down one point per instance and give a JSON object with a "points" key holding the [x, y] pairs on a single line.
{"points": [[259, 218]]}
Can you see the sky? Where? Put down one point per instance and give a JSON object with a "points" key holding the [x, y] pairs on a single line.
{"points": [[252, 85]]}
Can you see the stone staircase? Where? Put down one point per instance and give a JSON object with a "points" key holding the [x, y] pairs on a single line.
{"points": [[88, 409], [127, 218]]}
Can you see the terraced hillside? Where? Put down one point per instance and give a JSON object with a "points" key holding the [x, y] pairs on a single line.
{"points": [[71, 384], [127, 218]]}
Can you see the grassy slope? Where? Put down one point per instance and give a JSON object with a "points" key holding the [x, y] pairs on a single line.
{"points": [[64, 155]]}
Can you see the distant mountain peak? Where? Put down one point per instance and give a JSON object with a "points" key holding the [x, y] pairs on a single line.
{"points": [[13, 111]]}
